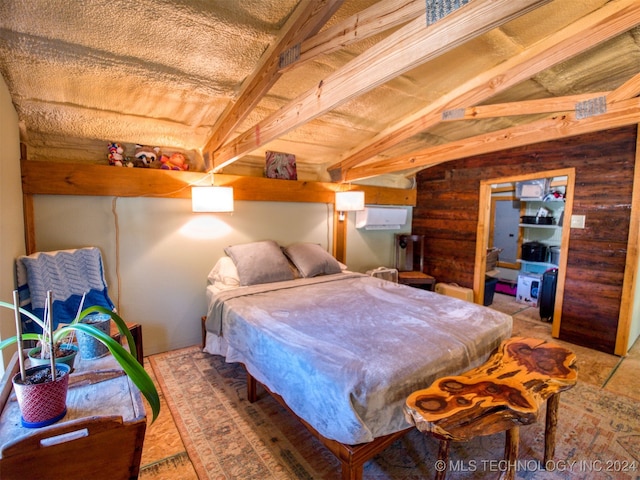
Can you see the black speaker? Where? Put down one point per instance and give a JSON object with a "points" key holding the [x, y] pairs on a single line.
{"points": [[547, 297]]}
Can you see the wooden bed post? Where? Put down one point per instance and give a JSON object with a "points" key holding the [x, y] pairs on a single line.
{"points": [[340, 237], [252, 388]]}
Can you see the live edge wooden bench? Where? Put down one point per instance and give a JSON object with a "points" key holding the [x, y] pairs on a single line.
{"points": [[506, 392]]}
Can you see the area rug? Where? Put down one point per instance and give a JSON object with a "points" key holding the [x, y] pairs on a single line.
{"points": [[227, 437]]}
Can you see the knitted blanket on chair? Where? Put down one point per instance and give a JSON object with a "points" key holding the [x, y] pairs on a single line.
{"points": [[68, 274]]}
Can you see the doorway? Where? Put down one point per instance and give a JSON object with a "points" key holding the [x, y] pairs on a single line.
{"points": [[484, 233]]}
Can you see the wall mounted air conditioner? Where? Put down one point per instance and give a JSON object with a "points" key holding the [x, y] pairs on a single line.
{"points": [[381, 218]]}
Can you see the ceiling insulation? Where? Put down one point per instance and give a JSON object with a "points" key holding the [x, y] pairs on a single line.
{"points": [[175, 74]]}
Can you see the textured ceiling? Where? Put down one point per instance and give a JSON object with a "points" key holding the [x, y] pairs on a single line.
{"points": [[86, 73]]}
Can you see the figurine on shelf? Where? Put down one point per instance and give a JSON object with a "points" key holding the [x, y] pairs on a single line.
{"points": [[116, 156], [177, 161], [145, 156], [554, 196]]}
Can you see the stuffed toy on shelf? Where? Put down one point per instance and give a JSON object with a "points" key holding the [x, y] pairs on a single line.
{"points": [[176, 161], [116, 156], [145, 156]]}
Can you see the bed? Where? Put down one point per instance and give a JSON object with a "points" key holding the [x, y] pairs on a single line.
{"points": [[341, 350]]}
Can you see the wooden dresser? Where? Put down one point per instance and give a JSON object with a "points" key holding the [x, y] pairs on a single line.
{"points": [[100, 437]]}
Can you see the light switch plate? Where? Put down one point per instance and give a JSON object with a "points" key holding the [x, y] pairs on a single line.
{"points": [[577, 221]]}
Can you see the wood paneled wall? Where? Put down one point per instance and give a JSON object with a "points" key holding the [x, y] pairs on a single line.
{"points": [[447, 213]]}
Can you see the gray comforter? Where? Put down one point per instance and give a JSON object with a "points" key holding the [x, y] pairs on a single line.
{"points": [[345, 350]]}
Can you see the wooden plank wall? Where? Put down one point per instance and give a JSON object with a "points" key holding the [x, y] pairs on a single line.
{"points": [[447, 213]]}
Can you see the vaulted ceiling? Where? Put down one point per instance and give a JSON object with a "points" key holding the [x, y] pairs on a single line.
{"points": [[357, 90]]}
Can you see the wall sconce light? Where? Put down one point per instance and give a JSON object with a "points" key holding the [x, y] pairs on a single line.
{"points": [[212, 198], [349, 202]]}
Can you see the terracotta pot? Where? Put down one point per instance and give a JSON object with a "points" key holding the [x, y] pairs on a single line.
{"points": [[42, 404], [89, 346], [34, 356]]}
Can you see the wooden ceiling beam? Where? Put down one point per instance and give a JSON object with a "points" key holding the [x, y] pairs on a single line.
{"points": [[410, 46], [607, 22], [629, 89], [562, 125], [525, 107], [374, 20], [307, 19]]}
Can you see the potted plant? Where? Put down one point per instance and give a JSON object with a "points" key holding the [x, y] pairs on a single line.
{"points": [[63, 353], [127, 360], [64, 350], [88, 345]]}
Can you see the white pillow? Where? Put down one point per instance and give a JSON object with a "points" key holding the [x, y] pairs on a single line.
{"points": [[224, 274]]}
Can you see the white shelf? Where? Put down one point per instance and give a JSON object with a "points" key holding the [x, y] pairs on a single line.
{"points": [[536, 225]]}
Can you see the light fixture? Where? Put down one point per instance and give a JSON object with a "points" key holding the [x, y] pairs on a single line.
{"points": [[211, 198], [349, 202]]}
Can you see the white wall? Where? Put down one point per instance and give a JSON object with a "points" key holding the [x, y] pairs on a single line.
{"points": [[158, 254], [11, 219], [367, 250]]}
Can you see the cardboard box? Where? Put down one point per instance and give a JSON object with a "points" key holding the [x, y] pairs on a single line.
{"points": [[456, 291], [528, 289]]}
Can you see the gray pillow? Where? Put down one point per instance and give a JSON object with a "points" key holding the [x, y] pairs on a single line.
{"points": [[312, 260], [259, 262]]}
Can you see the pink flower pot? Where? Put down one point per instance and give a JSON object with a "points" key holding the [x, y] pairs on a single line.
{"points": [[42, 404]]}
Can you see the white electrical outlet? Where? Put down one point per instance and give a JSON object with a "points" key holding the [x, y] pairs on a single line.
{"points": [[577, 221]]}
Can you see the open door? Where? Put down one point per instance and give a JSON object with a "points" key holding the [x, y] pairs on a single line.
{"points": [[484, 234], [505, 234]]}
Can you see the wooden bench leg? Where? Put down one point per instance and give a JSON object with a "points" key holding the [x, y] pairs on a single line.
{"points": [[511, 446], [550, 428], [443, 459], [203, 320]]}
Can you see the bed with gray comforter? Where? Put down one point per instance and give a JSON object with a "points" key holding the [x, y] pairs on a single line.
{"points": [[345, 350]]}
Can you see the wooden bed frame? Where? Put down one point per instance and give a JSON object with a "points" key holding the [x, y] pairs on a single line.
{"points": [[352, 457]]}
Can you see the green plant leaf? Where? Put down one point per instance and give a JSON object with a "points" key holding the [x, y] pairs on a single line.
{"points": [[11, 340], [129, 364]]}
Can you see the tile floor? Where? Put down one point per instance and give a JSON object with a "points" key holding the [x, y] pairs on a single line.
{"points": [[164, 455]]}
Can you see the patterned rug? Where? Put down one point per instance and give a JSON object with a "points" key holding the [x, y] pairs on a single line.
{"points": [[227, 437]]}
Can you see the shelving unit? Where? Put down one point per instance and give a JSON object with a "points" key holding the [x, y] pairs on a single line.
{"points": [[550, 235], [530, 278]]}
